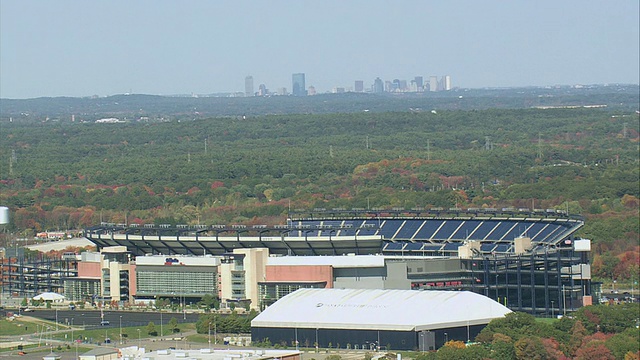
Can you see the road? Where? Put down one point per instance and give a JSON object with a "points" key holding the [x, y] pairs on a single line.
{"points": [[92, 318]]}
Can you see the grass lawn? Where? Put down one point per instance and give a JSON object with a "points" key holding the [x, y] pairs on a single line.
{"points": [[113, 333], [21, 326], [549, 321]]}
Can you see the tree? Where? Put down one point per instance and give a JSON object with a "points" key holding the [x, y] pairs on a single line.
{"points": [[209, 301], [151, 329], [173, 325], [623, 343], [530, 348], [502, 349], [455, 352], [594, 351], [578, 332]]}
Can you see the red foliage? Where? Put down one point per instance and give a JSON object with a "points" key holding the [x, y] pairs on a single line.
{"points": [[216, 184], [593, 318], [594, 351], [552, 348], [193, 190]]}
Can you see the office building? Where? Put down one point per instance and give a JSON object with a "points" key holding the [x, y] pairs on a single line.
{"points": [[433, 83], [419, 83], [359, 86], [378, 86], [262, 90], [248, 86], [312, 90], [298, 85]]}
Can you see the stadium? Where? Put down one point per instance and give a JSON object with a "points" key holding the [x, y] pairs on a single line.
{"points": [[527, 260], [357, 231]]}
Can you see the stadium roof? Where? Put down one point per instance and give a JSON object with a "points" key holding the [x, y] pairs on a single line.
{"points": [[394, 310]]}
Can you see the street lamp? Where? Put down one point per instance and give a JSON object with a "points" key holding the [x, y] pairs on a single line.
{"points": [[138, 338], [446, 338], [209, 334], [120, 329]]}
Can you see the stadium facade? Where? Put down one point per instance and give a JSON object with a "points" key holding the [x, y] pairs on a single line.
{"points": [[528, 260]]}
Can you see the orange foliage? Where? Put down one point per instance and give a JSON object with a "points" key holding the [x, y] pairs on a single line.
{"points": [[630, 201], [456, 344]]}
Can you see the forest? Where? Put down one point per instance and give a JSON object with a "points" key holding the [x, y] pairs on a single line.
{"points": [[603, 332], [63, 175]]}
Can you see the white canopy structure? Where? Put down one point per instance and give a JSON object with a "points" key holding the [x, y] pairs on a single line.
{"points": [[49, 296], [367, 309]]}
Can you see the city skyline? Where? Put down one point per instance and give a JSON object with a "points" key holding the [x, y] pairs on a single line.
{"points": [[299, 87], [73, 48]]}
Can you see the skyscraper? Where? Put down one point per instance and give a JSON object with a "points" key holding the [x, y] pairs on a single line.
{"points": [[433, 83], [248, 86], [378, 86], [419, 83], [359, 86], [298, 88]]}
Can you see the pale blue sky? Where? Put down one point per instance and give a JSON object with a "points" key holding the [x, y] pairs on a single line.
{"points": [[81, 48]]}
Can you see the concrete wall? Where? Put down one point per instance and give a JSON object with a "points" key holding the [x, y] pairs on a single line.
{"points": [[397, 276], [300, 273], [89, 270]]}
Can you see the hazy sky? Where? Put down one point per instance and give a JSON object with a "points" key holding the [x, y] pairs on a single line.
{"points": [[80, 48]]}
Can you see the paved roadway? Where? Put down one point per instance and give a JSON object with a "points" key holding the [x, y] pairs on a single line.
{"points": [[91, 318]]}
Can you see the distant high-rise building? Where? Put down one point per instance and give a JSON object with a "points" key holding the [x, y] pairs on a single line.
{"points": [[298, 88], [388, 86], [312, 90], [447, 82], [248, 86], [433, 83], [359, 86], [402, 86], [262, 90], [378, 86], [419, 82], [395, 86]]}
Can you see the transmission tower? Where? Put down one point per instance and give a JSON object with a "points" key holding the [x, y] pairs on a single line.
{"points": [[539, 155], [488, 145]]}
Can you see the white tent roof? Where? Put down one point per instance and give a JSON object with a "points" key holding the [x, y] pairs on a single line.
{"points": [[400, 310], [49, 296]]}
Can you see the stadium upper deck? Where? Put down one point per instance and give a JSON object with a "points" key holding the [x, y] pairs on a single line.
{"points": [[359, 231]]}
